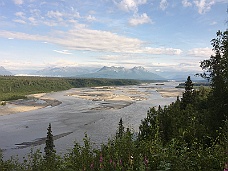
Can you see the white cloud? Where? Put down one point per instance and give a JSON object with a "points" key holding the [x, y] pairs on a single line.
{"points": [[35, 12], [55, 18], [163, 4], [186, 3], [65, 52], [20, 14], [201, 52], [55, 14], [204, 5], [15, 64], [213, 23], [140, 19], [94, 40], [130, 5], [90, 18], [32, 20], [18, 2], [20, 21], [62, 63], [162, 50]]}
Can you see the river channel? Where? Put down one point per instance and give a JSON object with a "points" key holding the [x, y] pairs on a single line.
{"points": [[77, 115]]}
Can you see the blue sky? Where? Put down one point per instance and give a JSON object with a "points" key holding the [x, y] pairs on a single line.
{"points": [[160, 35]]}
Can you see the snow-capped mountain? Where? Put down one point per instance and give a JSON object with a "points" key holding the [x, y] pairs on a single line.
{"points": [[63, 71], [3, 71], [138, 73]]}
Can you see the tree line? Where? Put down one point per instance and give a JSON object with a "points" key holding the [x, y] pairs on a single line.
{"points": [[12, 87]]}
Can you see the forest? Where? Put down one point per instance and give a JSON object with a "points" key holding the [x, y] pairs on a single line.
{"points": [[189, 134], [13, 87]]}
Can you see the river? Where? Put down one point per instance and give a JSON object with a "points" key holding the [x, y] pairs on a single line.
{"points": [[76, 116]]}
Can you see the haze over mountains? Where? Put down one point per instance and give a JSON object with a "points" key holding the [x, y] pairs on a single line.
{"points": [[3, 71], [138, 73], [113, 72], [64, 71]]}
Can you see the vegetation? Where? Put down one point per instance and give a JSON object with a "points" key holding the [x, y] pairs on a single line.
{"points": [[196, 85], [189, 134], [12, 88]]}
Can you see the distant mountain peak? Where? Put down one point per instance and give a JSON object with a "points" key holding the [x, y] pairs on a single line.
{"points": [[67, 71], [112, 68], [3, 71], [137, 73], [139, 68]]}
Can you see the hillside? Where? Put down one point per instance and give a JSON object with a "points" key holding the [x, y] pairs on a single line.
{"points": [[136, 73]]}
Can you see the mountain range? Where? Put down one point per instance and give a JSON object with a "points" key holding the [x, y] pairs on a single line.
{"points": [[113, 72], [3, 71], [137, 73], [64, 71]]}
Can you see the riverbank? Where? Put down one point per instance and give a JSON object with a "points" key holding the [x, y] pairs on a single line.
{"points": [[33, 102], [109, 97]]}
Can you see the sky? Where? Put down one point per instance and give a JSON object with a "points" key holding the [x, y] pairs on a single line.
{"points": [[160, 35]]}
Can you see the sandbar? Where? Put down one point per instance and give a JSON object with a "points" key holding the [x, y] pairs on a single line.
{"points": [[33, 102], [174, 92]]}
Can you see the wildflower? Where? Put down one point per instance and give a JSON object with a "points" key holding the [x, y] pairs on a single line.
{"points": [[92, 166], [146, 161], [120, 162], [226, 167], [101, 159]]}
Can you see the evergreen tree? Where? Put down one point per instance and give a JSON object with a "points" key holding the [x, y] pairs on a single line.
{"points": [[49, 147], [188, 95], [216, 71], [120, 131]]}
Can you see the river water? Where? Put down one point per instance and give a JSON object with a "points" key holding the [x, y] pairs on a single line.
{"points": [[73, 118]]}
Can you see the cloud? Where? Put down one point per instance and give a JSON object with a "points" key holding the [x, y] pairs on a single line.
{"points": [[163, 4], [15, 64], [20, 14], [94, 40], [213, 23], [18, 2], [90, 18], [139, 19], [55, 14], [130, 5], [201, 52], [162, 50], [20, 21], [62, 63], [57, 18], [32, 20], [186, 3], [65, 52], [203, 5]]}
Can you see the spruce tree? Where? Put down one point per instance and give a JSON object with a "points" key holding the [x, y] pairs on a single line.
{"points": [[188, 95], [49, 147], [120, 131]]}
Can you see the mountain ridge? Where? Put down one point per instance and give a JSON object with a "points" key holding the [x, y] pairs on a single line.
{"points": [[4, 71], [137, 73]]}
